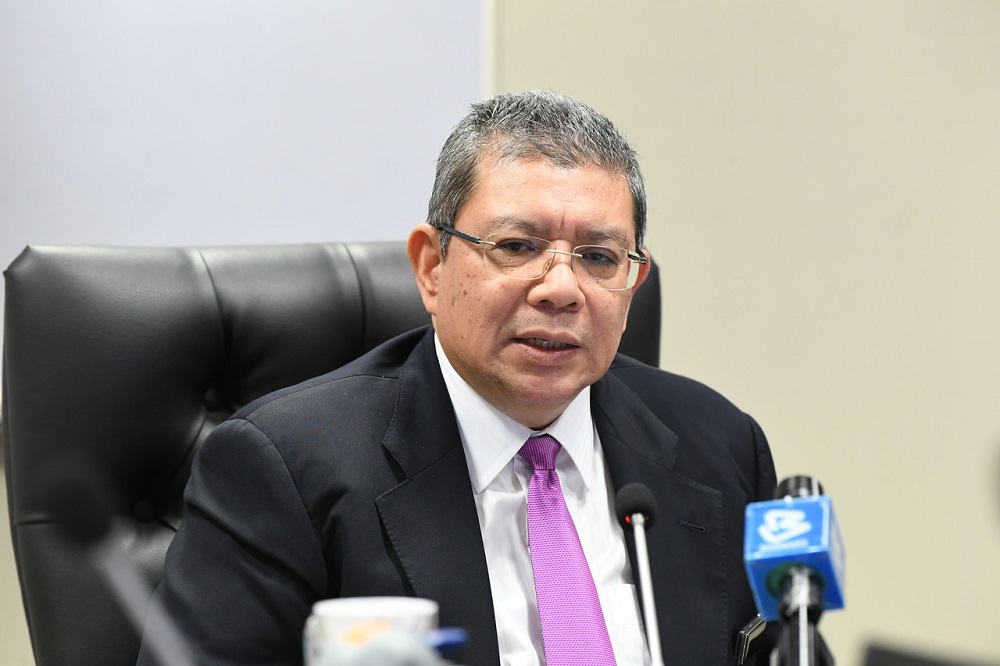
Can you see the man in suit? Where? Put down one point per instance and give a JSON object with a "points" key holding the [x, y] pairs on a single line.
{"points": [[405, 472]]}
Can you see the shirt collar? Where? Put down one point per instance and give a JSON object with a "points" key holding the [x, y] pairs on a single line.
{"points": [[491, 438]]}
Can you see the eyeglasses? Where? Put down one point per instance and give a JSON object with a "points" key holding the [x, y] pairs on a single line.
{"points": [[528, 258]]}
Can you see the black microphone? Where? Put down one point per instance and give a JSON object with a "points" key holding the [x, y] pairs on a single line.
{"points": [[635, 506], [79, 497]]}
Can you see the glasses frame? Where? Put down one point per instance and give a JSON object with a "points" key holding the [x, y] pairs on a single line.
{"points": [[633, 257]]}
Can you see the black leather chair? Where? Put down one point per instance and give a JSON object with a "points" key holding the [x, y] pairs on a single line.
{"points": [[133, 355]]}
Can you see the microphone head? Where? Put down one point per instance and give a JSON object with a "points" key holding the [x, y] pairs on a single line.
{"points": [[635, 498], [800, 485]]}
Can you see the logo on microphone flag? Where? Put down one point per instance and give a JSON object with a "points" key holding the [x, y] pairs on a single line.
{"points": [[781, 525]]}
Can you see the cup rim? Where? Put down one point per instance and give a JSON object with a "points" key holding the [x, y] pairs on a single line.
{"points": [[374, 607]]}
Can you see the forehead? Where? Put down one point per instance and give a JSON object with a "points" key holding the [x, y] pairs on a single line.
{"points": [[587, 203]]}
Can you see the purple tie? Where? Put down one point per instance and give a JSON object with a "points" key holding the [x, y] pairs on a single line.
{"points": [[573, 629]]}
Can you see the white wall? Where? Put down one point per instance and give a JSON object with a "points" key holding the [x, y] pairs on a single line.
{"points": [[196, 122], [227, 121], [824, 183]]}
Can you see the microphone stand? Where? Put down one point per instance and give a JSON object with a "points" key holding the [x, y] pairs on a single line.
{"points": [[81, 501], [635, 506], [163, 639], [646, 580], [800, 643]]}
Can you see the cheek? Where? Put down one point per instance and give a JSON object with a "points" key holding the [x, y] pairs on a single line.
{"points": [[459, 297], [477, 301], [614, 325], [452, 282], [467, 312]]}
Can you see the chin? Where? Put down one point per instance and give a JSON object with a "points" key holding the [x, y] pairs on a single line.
{"points": [[547, 400]]}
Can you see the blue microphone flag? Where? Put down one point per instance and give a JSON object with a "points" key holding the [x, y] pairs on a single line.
{"points": [[783, 533]]}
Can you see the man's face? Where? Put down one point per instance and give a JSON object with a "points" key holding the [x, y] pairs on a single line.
{"points": [[529, 346]]}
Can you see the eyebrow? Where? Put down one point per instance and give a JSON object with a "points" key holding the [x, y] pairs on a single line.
{"points": [[598, 236], [513, 223]]}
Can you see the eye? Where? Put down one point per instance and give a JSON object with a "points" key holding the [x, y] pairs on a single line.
{"points": [[599, 256], [518, 246]]}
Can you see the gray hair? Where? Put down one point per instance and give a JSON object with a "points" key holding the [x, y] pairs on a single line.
{"points": [[530, 125]]}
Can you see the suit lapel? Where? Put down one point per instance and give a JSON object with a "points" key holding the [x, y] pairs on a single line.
{"points": [[686, 542], [430, 518]]}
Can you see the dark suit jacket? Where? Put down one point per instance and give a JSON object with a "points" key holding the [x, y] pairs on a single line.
{"points": [[355, 483]]}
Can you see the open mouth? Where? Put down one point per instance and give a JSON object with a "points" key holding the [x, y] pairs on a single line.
{"points": [[546, 344]]}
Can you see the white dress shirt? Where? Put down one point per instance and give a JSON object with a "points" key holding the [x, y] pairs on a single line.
{"points": [[500, 483]]}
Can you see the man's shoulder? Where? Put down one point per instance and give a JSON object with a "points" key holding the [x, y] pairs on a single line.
{"points": [[639, 375], [660, 389], [363, 380]]}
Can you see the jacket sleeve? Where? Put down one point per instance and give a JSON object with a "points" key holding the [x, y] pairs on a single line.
{"points": [[765, 487], [766, 479], [246, 565]]}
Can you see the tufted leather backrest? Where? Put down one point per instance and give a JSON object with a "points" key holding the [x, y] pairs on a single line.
{"points": [[132, 355]]}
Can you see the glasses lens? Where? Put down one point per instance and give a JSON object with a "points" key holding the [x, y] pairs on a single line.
{"points": [[605, 265], [520, 257]]}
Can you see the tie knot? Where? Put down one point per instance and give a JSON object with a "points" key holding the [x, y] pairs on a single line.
{"points": [[541, 451]]}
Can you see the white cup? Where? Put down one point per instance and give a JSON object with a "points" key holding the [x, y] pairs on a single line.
{"points": [[349, 623]]}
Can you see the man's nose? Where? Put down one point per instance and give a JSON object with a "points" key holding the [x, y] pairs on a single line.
{"points": [[561, 257], [560, 285], [563, 263]]}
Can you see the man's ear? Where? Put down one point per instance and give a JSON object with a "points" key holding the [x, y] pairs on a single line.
{"points": [[643, 271], [424, 251], [643, 274]]}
